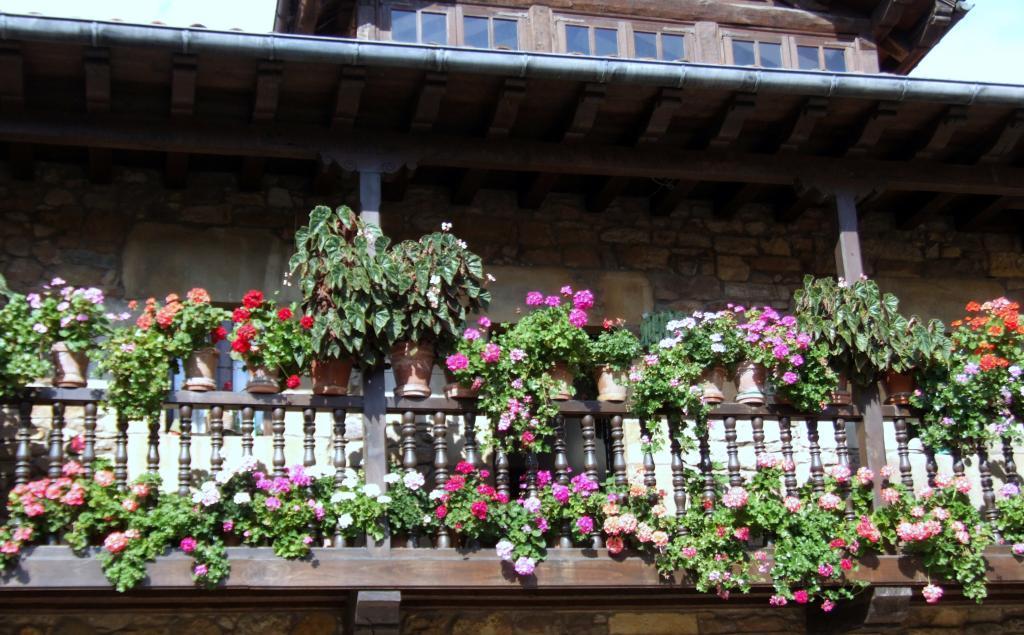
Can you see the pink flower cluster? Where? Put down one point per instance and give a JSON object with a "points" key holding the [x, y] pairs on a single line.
{"points": [[735, 498], [916, 532], [582, 301]]}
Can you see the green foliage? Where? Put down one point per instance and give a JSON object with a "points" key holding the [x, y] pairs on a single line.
{"points": [[139, 368], [707, 339], [266, 336], [345, 279], [667, 383], [437, 282], [546, 334], [653, 326], [615, 346], [74, 316], [21, 346], [195, 325]]}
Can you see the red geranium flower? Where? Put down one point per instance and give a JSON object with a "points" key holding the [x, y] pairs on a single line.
{"points": [[241, 346], [973, 306], [253, 299], [479, 509], [240, 315], [246, 332], [306, 321], [284, 314], [293, 381], [219, 334]]}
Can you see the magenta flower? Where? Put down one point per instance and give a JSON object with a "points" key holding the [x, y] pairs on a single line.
{"points": [[560, 492], [525, 566], [797, 360], [471, 334], [790, 377], [200, 570], [534, 298], [583, 300], [566, 290], [585, 524], [577, 318], [484, 322], [273, 503], [458, 361], [517, 354], [187, 544], [552, 300]]}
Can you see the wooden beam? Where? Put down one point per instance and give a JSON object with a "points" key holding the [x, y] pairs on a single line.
{"points": [[1006, 141], [183, 100], [376, 613], [666, 200], [807, 117], [730, 122], [872, 129], [12, 100], [588, 104], [503, 118], [348, 97], [739, 195], [656, 122], [934, 147], [306, 16], [886, 16], [428, 102], [802, 200], [266, 96], [984, 212], [97, 102], [935, 205]]}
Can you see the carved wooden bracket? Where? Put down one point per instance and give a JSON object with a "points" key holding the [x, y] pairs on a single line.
{"points": [[883, 610], [376, 613]]}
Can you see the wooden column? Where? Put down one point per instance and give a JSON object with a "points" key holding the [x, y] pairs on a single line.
{"points": [[369, 197]]}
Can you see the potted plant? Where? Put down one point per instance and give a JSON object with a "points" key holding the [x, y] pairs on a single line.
{"points": [[710, 340], [341, 268], [70, 319], [553, 333], [21, 341], [192, 329], [921, 347], [666, 382], [613, 351], [467, 360], [975, 396], [137, 361], [273, 346], [435, 282]]}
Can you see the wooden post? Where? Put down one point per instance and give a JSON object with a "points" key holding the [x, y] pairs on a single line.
{"points": [[369, 197]]}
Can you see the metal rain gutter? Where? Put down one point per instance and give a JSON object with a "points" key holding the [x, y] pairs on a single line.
{"points": [[312, 49]]}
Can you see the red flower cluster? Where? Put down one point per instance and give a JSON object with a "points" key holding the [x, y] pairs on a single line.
{"points": [[306, 322], [253, 299], [284, 314], [240, 315], [293, 381]]}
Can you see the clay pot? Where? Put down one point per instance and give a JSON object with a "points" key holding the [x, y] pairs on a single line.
{"points": [[263, 381], [560, 372], [331, 377], [412, 364], [712, 384], [70, 369], [611, 384], [455, 390], [201, 370], [750, 383], [898, 388], [842, 396]]}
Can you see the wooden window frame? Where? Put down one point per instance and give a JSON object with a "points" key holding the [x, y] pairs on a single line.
{"points": [[590, 22], [848, 48], [687, 32], [728, 35], [384, 19], [521, 19]]}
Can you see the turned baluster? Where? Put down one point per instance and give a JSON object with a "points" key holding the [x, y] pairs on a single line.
{"points": [[440, 432], [502, 480], [308, 437], [649, 478], [789, 466], [843, 459], [185, 451], [931, 466], [709, 477], [89, 438], [340, 463], [1009, 464], [618, 451], [409, 459], [958, 462], [562, 467], [757, 425], [988, 494], [121, 453], [817, 469], [678, 475], [472, 449], [23, 451], [903, 450], [216, 439], [248, 425], [277, 428], [55, 459], [153, 441], [532, 467], [588, 427], [733, 452]]}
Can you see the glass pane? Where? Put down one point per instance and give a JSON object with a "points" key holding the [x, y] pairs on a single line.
{"points": [[672, 48], [742, 53], [807, 57], [435, 28], [646, 45], [475, 32], [403, 26], [506, 34], [835, 60], [606, 42], [577, 39], [771, 55]]}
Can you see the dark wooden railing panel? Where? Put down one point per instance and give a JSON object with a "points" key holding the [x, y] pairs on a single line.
{"points": [[185, 450], [55, 458]]}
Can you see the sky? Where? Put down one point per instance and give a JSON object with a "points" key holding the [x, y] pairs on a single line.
{"points": [[987, 45]]}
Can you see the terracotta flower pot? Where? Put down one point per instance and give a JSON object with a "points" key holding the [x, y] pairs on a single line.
{"points": [[712, 383], [201, 370], [898, 388], [611, 384], [842, 396], [560, 373], [331, 377], [412, 364], [455, 390], [750, 383], [70, 369], [263, 381]]}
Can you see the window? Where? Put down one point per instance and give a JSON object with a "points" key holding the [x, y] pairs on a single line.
{"points": [[816, 58], [755, 53], [422, 27], [485, 32], [658, 46], [577, 39], [601, 39]]}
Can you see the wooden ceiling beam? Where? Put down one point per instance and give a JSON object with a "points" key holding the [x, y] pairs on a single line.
{"points": [[588, 104], [348, 97], [871, 130], [502, 120], [728, 205], [730, 122], [428, 102], [801, 200], [886, 16], [935, 146], [977, 217], [183, 102], [666, 200], [266, 96], [1006, 141], [935, 205], [97, 102], [807, 117], [655, 124], [12, 100], [306, 16]]}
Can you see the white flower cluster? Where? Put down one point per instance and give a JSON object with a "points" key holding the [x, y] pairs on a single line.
{"points": [[207, 495]]}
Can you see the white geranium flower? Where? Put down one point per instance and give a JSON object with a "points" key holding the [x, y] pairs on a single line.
{"points": [[242, 498], [383, 499], [436, 494], [320, 471], [338, 497], [372, 490], [345, 521], [391, 477], [351, 483], [413, 480]]}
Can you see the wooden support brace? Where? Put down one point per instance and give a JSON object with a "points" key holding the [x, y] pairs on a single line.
{"points": [[668, 198], [503, 118], [376, 613], [428, 102], [873, 128], [1007, 140], [935, 205], [12, 100], [348, 97], [976, 218], [738, 196], [936, 144], [183, 99], [802, 200], [97, 101], [731, 121], [807, 117]]}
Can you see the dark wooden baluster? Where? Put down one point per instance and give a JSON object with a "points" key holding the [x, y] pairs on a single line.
{"points": [[55, 459], [649, 478], [277, 428], [216, 439], [121, 453], [757, 424], [706, 470], [988, 494], [843, 459], [153, 441], [678, 474], [786, 436], [340, 464], [248, 425], [440, 433], [958, 462], [308, 437], [185, 451], [1009, 463], [23, 451], [618, 451], [733, 452], [588, 428], [931, 466], [89, 438], [502, 480], [903, 450], [817, 469], [409, 459], [562, 467], [532, 466], [472, 449]]}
